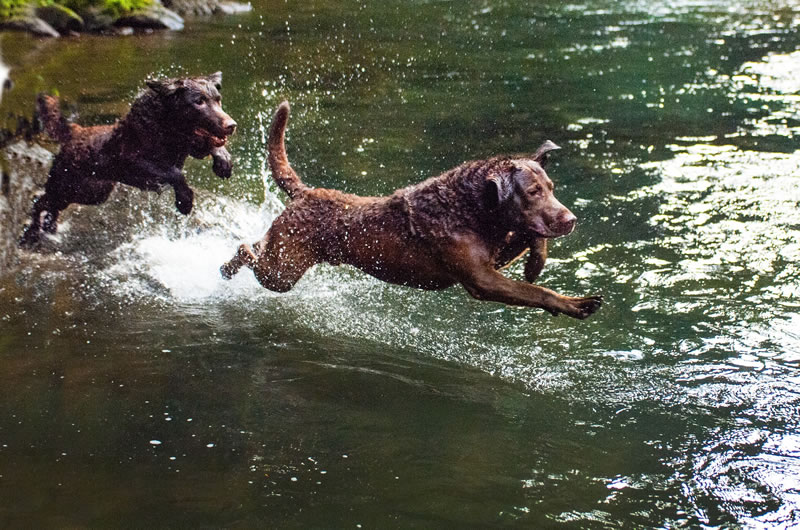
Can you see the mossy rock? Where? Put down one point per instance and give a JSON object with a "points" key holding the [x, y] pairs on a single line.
{"points": [[63, 19], [29, 24], [155, 16], [53, 17], [96, 18]]}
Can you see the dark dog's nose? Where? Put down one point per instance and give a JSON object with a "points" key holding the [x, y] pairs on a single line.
{"points": [[229, 127]]}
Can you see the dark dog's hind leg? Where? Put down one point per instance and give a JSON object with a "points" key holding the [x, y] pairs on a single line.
{"points": [[33, 232], [50, 222]]}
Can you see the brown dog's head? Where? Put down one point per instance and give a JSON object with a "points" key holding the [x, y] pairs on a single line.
{"points": [[523, 192], [194, 103]]}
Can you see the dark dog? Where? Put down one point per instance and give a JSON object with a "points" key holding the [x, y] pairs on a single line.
{"points": [[168, 121], [459, 227]]}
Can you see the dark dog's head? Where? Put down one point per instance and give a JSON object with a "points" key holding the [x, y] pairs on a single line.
{"points": [[195, 103], [521, 190]]}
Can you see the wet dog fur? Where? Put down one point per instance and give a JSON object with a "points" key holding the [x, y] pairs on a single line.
{"points": [[169, 121], [460, 227]]}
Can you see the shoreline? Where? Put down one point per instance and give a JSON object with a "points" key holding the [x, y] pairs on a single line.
{"points": [[108, 18]]}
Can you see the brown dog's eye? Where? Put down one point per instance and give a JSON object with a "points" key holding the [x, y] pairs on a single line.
{"points": [[199, 101], [535, 190]]}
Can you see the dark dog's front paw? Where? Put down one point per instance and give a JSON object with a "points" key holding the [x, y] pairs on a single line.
{"points": [[223, 163], [184, 199], [582, 307]]}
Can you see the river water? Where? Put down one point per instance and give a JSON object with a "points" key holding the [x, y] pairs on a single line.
{"points": [[139, 389]]}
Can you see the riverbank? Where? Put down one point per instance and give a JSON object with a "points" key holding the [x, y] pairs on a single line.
{"points": [[46, 18]]}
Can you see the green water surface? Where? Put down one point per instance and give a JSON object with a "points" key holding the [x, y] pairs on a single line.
{"points": [[137, 389]]}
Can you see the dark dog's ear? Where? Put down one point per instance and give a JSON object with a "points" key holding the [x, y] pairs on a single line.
{"points": [[540, 156], [166, 87], [216, 80], [498, 190]]}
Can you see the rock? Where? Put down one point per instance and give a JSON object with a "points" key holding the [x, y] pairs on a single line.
{"points": [[191, 7], [62, 19], [23, 172], [5, 80], [155, 16], [207, 7], [31, 24], [96, 18], [233, 8]]}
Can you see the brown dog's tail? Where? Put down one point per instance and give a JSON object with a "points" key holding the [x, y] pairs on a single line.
{"points": [[55, 124], [282, 172]]}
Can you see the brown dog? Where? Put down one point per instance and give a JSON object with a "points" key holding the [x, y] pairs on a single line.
{"points": [[169, 121], [459, 227]]}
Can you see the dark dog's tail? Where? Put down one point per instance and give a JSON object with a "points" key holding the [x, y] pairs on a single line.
{"points": [[54, 123], [282, 172]]}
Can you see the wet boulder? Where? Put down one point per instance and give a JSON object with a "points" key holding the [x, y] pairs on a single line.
{"points": [[207, 7], [29, 23], [23, 172], [60, 18], [154, 16]]}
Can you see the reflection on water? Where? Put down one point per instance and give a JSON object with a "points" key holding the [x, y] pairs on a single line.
{"points": [[139, 386]]}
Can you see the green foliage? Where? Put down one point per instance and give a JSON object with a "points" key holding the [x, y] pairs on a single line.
{"points": [[10, 8], [120, 7], [115, 8]]}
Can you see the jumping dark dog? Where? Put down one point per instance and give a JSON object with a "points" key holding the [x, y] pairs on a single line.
{"points": [[459, 227], [169, 121]]}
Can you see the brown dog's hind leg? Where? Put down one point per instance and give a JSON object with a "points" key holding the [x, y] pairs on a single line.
{"points": [[282, 261], [244, 256], [278, 262]]}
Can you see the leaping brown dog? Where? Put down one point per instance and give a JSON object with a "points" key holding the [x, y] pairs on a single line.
{"points": [[459, 227]]}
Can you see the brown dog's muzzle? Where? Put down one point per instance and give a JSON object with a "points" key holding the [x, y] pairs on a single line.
{"points": [[565, 224], [556, 222]]}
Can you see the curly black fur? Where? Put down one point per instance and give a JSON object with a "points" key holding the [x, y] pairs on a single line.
{"points": [[169, 121]]}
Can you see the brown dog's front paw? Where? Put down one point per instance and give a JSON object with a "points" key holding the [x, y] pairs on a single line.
{"points": [[582, 307]]}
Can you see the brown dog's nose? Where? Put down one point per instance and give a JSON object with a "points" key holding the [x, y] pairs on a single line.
{"points": [[563, 223], [568, 222], [229, 127]]}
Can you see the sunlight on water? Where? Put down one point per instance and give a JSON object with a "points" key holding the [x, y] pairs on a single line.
{"points": [[777, 72], [675, 406]]}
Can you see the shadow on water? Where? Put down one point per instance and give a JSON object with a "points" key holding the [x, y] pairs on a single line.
{"points": [[138, 386]]}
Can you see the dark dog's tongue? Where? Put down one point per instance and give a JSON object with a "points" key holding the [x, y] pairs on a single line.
{"points": [[216, 141]]}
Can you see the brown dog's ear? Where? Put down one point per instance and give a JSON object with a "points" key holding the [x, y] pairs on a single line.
{"points": [[216, 80], [540, 156], [497, 191], [166, 87]]}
